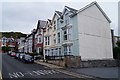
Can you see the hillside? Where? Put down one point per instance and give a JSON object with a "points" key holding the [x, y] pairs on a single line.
{"points": [[13, 34]]}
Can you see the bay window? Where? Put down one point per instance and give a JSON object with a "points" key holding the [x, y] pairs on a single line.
{"points": [[67, 34], [54, 38], [66, 18], [67, 50]]}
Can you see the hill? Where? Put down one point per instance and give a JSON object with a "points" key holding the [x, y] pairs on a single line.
{"points": [[13, 34]]}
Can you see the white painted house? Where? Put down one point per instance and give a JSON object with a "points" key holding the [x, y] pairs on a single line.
{"points": [[94, 34], [85, 32]]}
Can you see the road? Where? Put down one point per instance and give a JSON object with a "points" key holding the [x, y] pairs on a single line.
{"points": [[15, 69]]}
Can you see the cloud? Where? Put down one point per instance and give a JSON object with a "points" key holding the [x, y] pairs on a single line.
{"points": [[23, 16]]}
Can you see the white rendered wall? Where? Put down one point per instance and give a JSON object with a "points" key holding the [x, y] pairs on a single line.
{"points": [[94, 35]]}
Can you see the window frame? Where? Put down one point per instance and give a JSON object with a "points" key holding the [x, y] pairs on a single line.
{"points": [[58, 34]]}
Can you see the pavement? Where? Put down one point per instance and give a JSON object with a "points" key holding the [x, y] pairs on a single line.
{"points": [[109, 73], [62, 70]]}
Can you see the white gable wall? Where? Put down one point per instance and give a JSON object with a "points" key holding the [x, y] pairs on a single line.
{"points": [[94, 35]]}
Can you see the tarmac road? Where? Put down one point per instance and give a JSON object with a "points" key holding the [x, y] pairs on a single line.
{"points": [[15, 69]]}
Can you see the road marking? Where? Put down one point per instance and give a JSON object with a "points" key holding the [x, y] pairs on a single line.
{"points": [[16, 75], [32, 73]]}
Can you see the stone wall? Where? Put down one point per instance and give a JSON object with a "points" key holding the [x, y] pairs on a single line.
{"points": [[75, 62], [68, 61], [99, 63]]}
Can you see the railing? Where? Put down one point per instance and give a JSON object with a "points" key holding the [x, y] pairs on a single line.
{"points": [[54, 57]]}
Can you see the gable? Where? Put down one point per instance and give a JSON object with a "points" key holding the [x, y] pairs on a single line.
{"points": [[95, 11]]}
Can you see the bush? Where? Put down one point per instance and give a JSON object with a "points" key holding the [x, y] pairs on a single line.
{"points": [[118, 43], [116, 53], [5, 49]]}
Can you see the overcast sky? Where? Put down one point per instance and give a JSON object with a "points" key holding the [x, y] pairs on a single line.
{"points": [[22, 16]]}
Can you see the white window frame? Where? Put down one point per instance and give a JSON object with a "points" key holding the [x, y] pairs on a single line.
{"points": [[54, 38], [68, 50], [66, 18], [47, 40], [68, 34], [58, 37], [40, 39], [59, 52]]}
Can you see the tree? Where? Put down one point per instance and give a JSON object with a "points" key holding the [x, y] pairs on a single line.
{"points": [[118, 43], [116, 51], [5, 49]]}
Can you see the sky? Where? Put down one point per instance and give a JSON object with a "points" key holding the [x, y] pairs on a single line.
{"points": [[22, 15]]}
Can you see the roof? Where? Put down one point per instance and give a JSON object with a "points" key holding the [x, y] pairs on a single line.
{"points": [[49, 20], [28, 36], [59, 13], [41, 23], [71, 9], [91, 4]]}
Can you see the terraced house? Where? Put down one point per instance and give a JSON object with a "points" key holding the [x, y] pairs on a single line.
{"points": [[84, 32]]}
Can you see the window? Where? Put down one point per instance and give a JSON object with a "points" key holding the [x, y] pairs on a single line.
{"points": [[59, 51], [59, 37], [56, 52], [67, 50], [54, 25], [51, 52], [48, 51], [54, 36], [58, 24], [67, 34], [66, 18], [40, 40], [48, 41], [45, 51], [45, 40]]}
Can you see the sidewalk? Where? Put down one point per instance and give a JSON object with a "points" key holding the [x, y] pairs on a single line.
{"points": [[106, 73], [71, 72]]}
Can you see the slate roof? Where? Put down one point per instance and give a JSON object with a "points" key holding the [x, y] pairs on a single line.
{"points": [[41, 24], [59, 13], [71, 9]]}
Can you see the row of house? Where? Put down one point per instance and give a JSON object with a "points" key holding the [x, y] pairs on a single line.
{"points": [[85, 32], [8, 42], [33, 43]]}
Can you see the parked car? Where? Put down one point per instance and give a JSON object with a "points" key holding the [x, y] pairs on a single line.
{"points": [[17, 55], [20, 56], [28, 58], [13, 54], [9, 52]]}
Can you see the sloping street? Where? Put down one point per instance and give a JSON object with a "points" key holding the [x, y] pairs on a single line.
{"points": [[15, 69]]}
